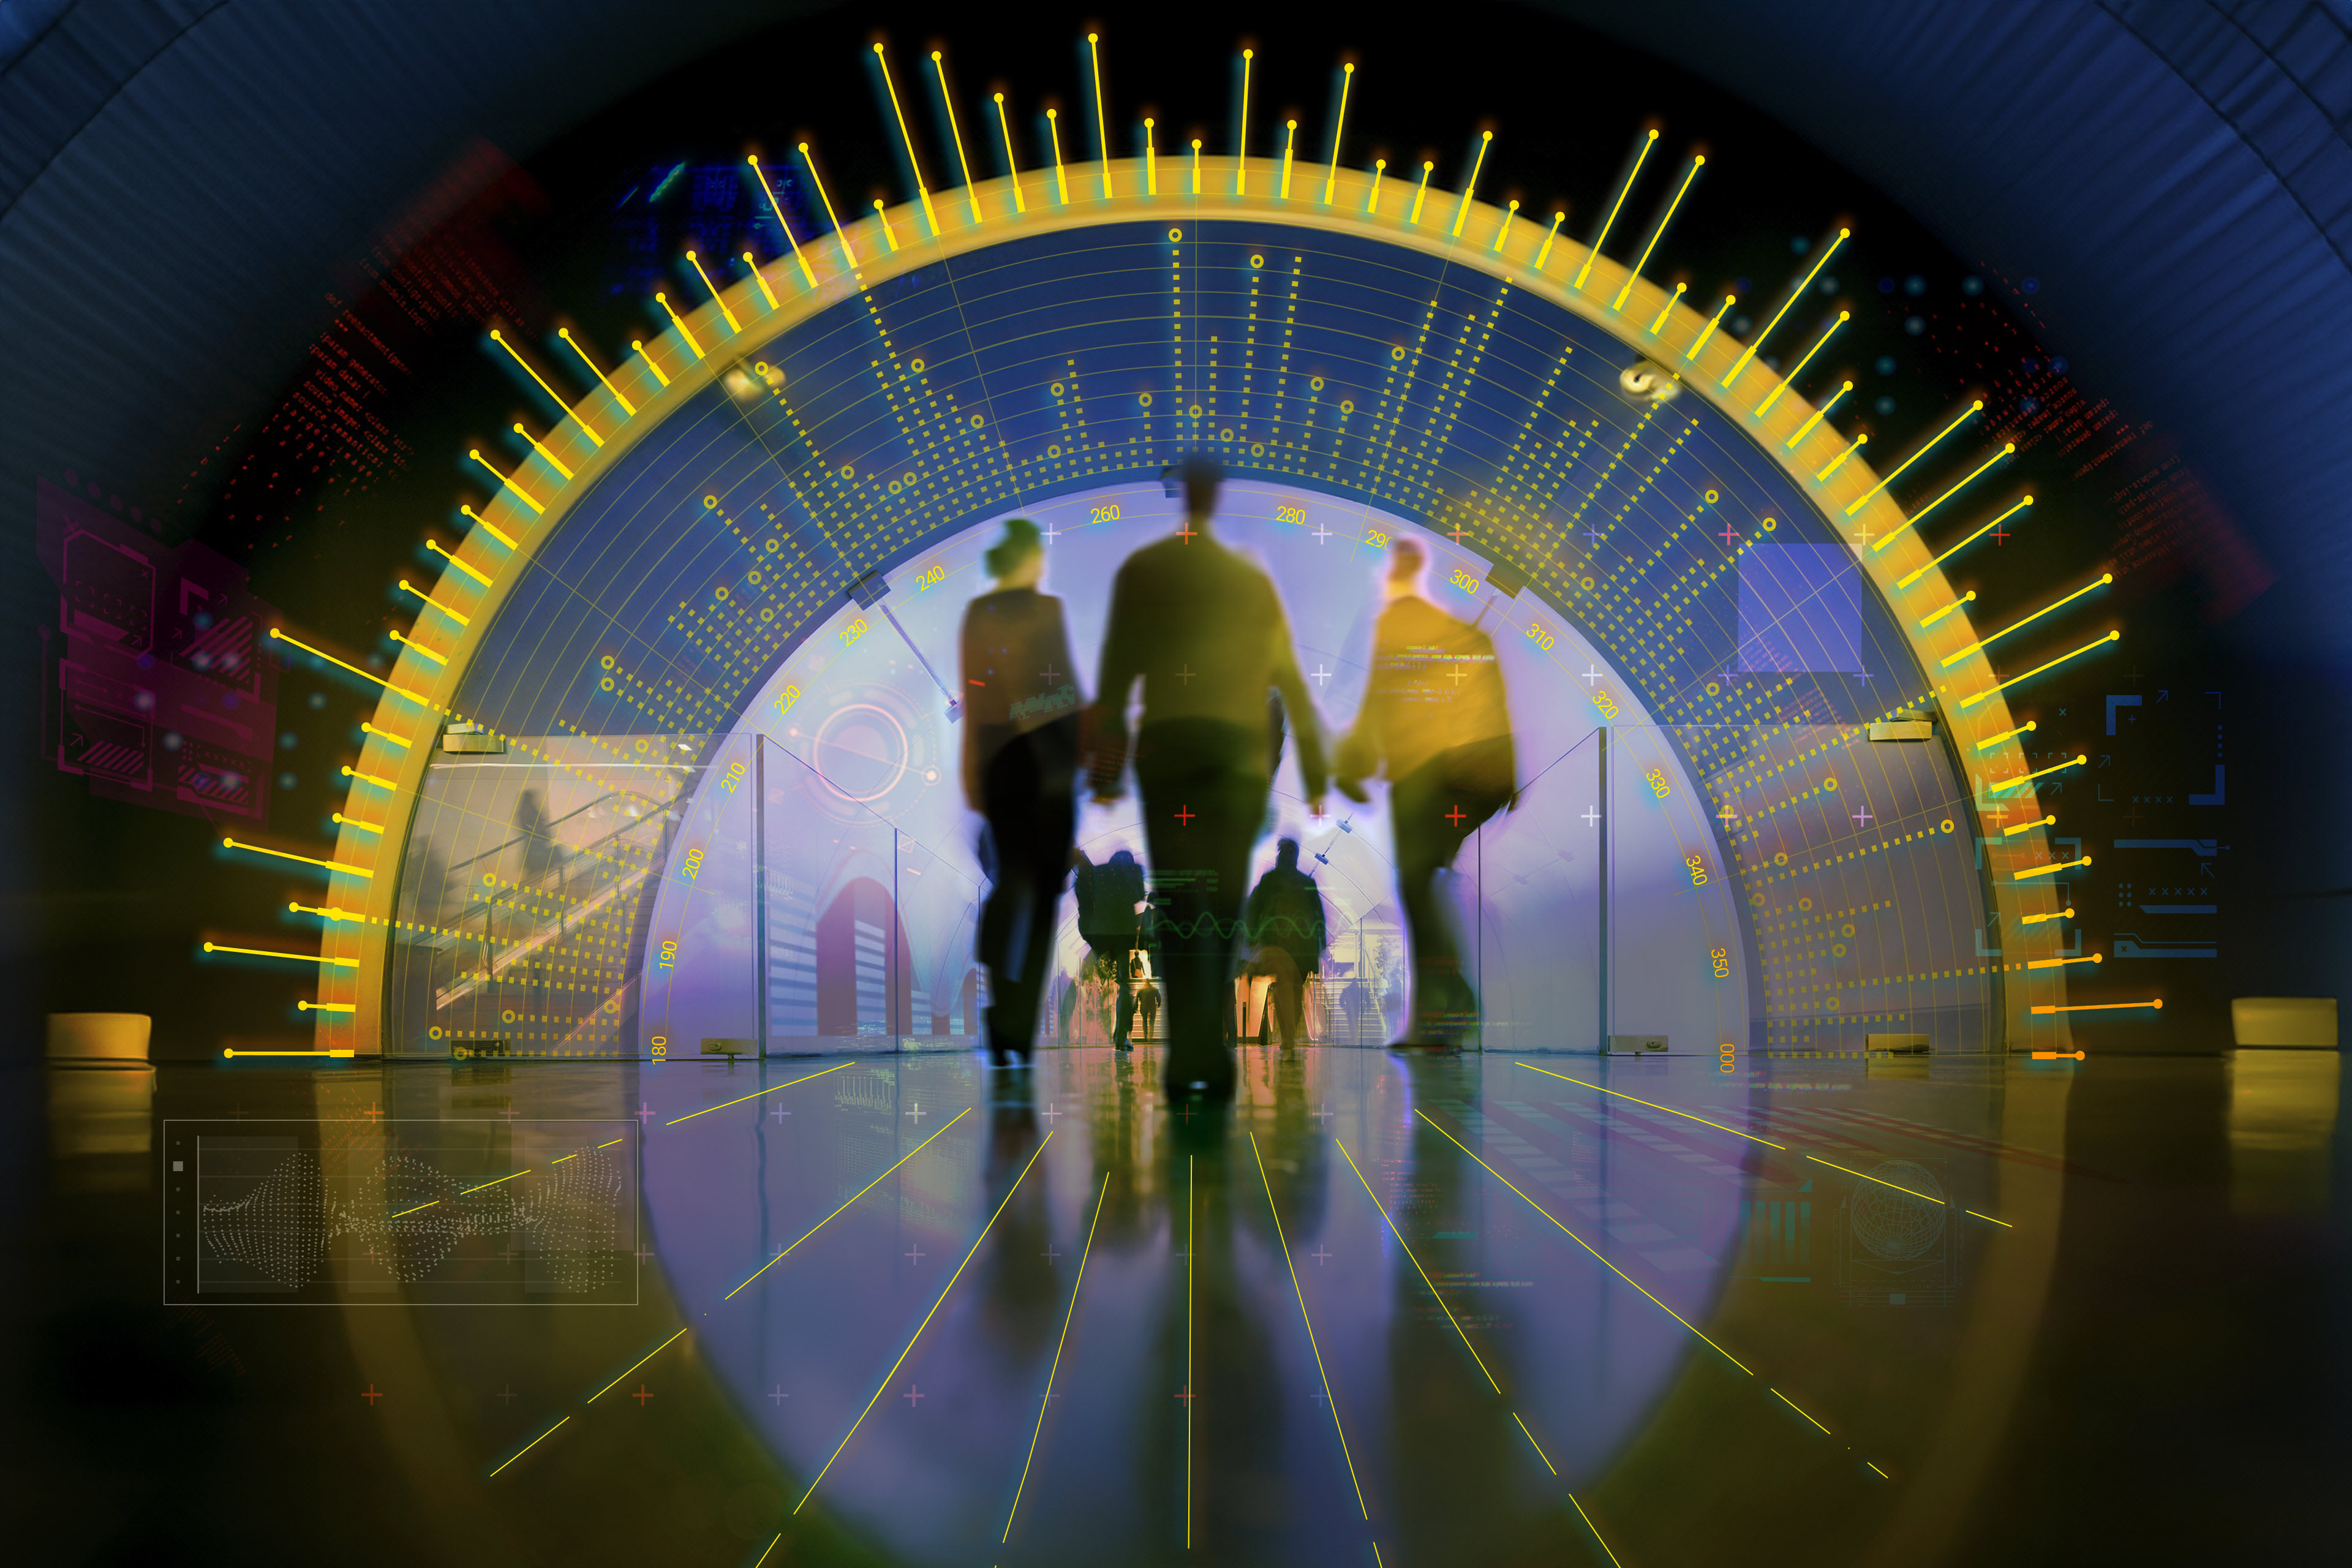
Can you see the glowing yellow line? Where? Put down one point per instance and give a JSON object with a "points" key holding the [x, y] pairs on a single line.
{"points": [[772, 1545], [461, 620], [1758, 341], [492, 529], [1102, 126], [525, 1172], [499, 339], [2062, 962], [1054, 137], [955, 132], [374, 827], [839, 233], [1970, 413], [1819, 344], [298, 957], [338, 1053], [1989, 741], [1653, 1105], [1882, 1474], [771, 1090], [323, 1007], [1932, 617], [328, 911], [1609, 222], [2037, 919], [913, 163], [2077, 762], [889, 235], [1793, 1405], [1964, 543], [1668, 309], [861, 1192], [2027, 827], [528, 499], [1989, 1220], [648, 1356], [1328, 1398], [1150, 159], [1579, 1241], [789, 238], [2052, 869], [1055, 1369], [1915, 518], [1984, 642], [1969, 702], [760, 278], [1241, 164], [2104, 1007], [1833, 1165], [370, 778], [725, 314], [678, 321], [1196, 166], [1840, 460], [1462, 211], [1819, 414], [1005, 127], [1543, 251], [1699, 342], [420, 647], [1423, 1272], [609, 1145], [1372, 198], [1503, 229], [920, 1327], [1289, 152], [1698, 161], [1421, 193], [306, 859], [639, 344], [435, 546], [1535, 1446], [1332, 180], [1594, 1528], [1191, 1393], [403, 1212], [537, 445]]}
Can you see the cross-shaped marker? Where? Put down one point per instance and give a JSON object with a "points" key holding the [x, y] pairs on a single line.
{"points": [[1862, 536], [644, 1110], [918, 1113], [508, 1394], [779, 1112], [1185, 815], [1593, 534], [1186, 1394], [1323, 1114], [912, 1395], [1049, 672], [1051, 532], [371, 1395], [913, 1255], [1862, 815], [1591, 817], [2000, 534], [510, 1114], [1728, 534], [1049, 1253], [1321, 533], [779, 1397], [1320, 1253], [1455, 533], [643, 1252], [641, 1396], [1456, 815], [1593, 674], [1186, 533], [1320, 673], [1049, 1114], [1185, 674], [1727, 813], [371, 1113]]}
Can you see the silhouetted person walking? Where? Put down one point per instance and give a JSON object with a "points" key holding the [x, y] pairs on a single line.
{"points": [[1110, 920], [1435, 721], [1287, 935], [1020, 761], [1204, 631]]}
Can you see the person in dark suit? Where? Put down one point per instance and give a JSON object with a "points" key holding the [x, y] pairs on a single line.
{"points": [[1204, 630], [1434, 720], [1110, 900], [1286, 934], [1019, 765]]}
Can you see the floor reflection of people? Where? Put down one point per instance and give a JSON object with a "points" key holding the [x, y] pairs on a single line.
{"points": [[1283, 934], [1435, 722], [1111, 918], [1204, 631], [1020, 756]]}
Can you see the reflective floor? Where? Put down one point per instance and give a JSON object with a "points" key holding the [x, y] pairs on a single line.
{"points": [[903, 1310]]}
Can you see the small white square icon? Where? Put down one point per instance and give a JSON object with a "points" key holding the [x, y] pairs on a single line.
{"points": [[179, 1164]]}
